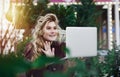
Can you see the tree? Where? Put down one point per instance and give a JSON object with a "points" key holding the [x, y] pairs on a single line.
{"points": [[87, 13], [26, 13], [65, 14]]}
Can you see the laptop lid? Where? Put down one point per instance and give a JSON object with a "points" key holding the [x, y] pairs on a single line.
{"points": [[81, 41]]}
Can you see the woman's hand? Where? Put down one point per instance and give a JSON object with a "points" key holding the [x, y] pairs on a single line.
{"points": [[47, 50]]}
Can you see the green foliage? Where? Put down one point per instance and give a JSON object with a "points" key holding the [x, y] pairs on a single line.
{"points": [[82, 68], [36, 10], [21, 46], [11, 65], [87, 13], [79, 68], [55, 74], [106, 67], [42, 61], [14, 63], [65, 14], [84, 14]]}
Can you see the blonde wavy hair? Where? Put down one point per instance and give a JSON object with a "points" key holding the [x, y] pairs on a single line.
{"points": [[38, 41]]}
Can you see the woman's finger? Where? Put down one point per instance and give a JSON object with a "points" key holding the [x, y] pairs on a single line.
{"points": [[45, 46], [53, 50], [43, 50], [48, 45]]}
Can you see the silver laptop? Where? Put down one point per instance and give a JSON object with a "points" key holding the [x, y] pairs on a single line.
{"points": [[81, 41]]}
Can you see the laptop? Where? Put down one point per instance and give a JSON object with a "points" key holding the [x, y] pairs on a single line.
{"points": [[81, 41]]}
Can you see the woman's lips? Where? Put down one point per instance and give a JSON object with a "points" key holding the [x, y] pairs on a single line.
{"points": [[52, 35]]}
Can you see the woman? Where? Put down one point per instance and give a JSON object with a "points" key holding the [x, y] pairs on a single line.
{"points": [[45, 42]]}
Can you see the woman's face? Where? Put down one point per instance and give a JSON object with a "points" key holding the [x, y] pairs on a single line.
{"points": [[50, 31]]}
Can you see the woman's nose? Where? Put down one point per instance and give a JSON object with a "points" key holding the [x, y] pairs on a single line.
{"points": [[53, 31]]}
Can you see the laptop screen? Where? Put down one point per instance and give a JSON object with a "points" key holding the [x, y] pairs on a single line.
{"points": [[81, 41]]}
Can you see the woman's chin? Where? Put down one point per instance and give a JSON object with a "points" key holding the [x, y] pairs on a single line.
{"points": [[51, 39]]}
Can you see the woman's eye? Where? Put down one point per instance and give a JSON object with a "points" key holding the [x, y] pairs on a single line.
{"points": [[48, 28], [55, 28]]}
